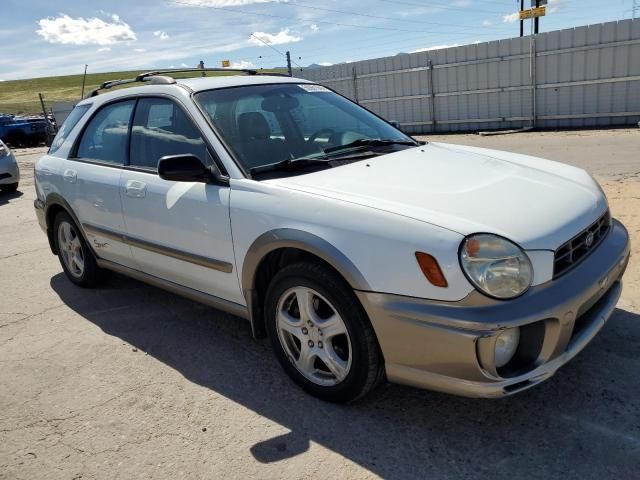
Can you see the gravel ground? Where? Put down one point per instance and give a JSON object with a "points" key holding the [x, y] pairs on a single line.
{"points": [[131, 382]]}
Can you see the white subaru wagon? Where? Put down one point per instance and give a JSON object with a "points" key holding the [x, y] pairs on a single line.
{"points": [[361, 253]]}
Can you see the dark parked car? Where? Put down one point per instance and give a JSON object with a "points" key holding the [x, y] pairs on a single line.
{"points": [[23, 131]]}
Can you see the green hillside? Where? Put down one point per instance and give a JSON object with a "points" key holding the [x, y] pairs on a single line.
{"points": [[21, 96]]}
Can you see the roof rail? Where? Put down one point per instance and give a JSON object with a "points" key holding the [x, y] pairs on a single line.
{"points": [[160, 77]]}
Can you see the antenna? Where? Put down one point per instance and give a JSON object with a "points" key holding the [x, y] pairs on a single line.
{"points": [[635, 9]]}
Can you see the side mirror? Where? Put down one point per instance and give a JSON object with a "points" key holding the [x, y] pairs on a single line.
{"points": [[187, 168]]}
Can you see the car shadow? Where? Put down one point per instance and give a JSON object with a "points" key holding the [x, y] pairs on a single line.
{"points": [[582, 423], [5, 197]]}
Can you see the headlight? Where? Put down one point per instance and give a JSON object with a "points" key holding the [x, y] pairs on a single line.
{"points": [[496, 266]]}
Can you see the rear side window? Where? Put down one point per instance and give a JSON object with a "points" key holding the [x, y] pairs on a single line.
{"points": [[162, 128], [105, 138], [72, 120]]}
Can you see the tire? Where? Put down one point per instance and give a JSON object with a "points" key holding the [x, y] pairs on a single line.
{"points": [[75, 256], [354, 363], [9, 187]]}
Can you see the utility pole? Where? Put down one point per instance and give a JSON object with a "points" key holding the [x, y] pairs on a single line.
{"points": [[289, 64], [84, 79], [536, 21], [635, 9], [521, 21]]}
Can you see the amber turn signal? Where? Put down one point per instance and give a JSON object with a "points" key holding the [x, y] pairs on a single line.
{"points": [[431, 269]]}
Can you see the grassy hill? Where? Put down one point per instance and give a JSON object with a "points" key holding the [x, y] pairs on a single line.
{"points": [[21, 96]]}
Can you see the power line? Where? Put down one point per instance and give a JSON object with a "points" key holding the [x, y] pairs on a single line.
{"points": [[271, 15], [286, 55], [367, 15], [442, 6]]}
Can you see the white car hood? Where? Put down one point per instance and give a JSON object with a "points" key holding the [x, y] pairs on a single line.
{"points": [[537, 203]]}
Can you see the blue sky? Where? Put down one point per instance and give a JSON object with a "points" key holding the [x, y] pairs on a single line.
{"points": [[44, 37]]}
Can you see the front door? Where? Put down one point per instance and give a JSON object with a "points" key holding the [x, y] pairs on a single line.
{"points": [[178, 231]]}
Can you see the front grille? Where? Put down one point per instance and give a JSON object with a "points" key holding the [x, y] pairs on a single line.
{"points": [[4, 175], [579, 247]]}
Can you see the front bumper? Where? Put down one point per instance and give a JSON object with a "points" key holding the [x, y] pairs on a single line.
{"points": [[448, 346]]}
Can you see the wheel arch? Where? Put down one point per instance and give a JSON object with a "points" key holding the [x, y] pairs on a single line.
{"points": [[55, 204], [276, 248]]}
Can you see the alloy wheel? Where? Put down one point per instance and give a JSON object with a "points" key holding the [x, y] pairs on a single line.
{"points": [[314, 336], [70, 249]]}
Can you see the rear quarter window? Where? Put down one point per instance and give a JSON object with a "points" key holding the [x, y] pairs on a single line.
{"points": [[72, 120]]}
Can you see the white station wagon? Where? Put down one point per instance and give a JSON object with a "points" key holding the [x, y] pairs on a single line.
{"points": [[361, 253]]}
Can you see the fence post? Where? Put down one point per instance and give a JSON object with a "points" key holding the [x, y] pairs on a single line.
{"points": [[532, 74], [432, 95], [355, 83]]}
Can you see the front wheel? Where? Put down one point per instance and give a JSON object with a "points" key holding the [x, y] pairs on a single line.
{"points": [[75, 257], [321, 334]]}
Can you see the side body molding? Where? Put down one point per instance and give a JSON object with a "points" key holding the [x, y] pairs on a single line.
{"points": [[293, 238]]}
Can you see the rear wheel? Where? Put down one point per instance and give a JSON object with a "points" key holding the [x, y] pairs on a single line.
{"points": [[320, 333], [76, 258]]}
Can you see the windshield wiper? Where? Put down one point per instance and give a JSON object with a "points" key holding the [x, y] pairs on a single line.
{"points": [[296, 163], [369, 142], [289, 164]]}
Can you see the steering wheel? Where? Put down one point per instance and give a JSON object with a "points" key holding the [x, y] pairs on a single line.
{"points": [[328, 131]]}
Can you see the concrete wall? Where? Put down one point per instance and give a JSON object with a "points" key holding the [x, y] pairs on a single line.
{"points": [[585, 76]]}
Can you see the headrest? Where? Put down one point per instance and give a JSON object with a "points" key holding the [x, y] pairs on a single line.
{"points": [[253, 126]]}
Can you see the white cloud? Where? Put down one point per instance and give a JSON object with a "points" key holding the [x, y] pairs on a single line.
{"points": [[325, 64], [435, 47], [283, 36], [184, 65], [314, 27], [139, 50], [84, 31], [486, 23], [104, 49], [512, 17], [554, 5], [161, 35], [242, 64]]}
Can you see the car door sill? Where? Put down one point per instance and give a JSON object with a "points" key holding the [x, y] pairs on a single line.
{"points": [[190, 293], [212, 263]]}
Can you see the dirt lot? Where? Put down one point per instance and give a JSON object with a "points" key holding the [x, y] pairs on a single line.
{"points": [[131, 382]]}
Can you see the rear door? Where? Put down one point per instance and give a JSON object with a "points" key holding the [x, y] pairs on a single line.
{"points": [[91, 180], [178, 231]]}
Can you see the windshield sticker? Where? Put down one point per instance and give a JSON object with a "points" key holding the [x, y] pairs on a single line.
{"points": [[309, 87]]}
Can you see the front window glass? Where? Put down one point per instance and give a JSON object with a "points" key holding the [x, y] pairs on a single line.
{"points": [[72, 120], [105, 138], [266, 124], [161, 128]]}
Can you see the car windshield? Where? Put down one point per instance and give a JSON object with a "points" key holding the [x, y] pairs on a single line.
{"points": [[277, 125]]}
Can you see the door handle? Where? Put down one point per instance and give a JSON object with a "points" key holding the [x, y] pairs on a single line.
{"points": [[70, 176], [136, 189]]}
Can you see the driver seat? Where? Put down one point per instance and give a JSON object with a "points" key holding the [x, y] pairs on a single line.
{"points": [[258, 148]]}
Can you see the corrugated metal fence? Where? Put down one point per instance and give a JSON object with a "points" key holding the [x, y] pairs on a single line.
{"points": [[585, 76]]}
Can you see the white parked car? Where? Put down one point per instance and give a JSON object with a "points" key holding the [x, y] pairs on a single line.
{"points": [[9, 171], [361, 253]]}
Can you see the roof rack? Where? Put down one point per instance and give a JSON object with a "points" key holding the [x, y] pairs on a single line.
{"points": [[158, 77]]}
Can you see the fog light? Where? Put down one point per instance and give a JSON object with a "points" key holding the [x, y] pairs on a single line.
{"points": [[506, 346]]}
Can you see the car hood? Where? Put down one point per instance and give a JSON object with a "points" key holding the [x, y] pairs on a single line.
{"points": [[537, 203]]}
